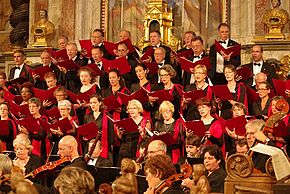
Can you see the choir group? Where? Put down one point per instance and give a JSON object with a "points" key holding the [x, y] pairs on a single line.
{"points": [[169, 107]]}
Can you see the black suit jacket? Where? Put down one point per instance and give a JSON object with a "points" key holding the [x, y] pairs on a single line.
{"points": [[266, 68], [236, 61], [41, 84], [187, 75], [103, 162], [24, 73], [167, 54]]}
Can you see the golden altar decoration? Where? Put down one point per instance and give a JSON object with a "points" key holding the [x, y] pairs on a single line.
{"points": [[159, 17], [43, 31], [275, 19], [284, 68]]}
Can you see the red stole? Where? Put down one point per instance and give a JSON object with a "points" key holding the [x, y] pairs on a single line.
{"points": [[176, 152], [104, 140], [37, 143], [116, 116]]}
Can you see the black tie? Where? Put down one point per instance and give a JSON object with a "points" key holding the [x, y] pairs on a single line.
{"points": [[258, 64], [196, 57], [98, 64], [17, 68], [223, 42]]}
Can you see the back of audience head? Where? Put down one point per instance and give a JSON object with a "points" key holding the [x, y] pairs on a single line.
{"points": [[74, 180], [5, 164]]}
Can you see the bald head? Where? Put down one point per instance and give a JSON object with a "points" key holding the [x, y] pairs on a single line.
{"points": [[68, 147], [156, 147], [260, 77]]}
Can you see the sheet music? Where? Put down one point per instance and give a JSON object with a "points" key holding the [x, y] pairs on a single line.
{"points": [[280, 162]]}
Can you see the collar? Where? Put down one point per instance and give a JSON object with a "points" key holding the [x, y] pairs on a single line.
{"points": [[158, 45], [21, 66], [260, 62], [226, 40], [74, 58]]}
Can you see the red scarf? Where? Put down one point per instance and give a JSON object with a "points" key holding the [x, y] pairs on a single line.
{"points": [[104, 140]]}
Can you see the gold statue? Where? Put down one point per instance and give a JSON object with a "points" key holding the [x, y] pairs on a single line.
{"points": [[43, 30], [284, 69], [275, 19]]}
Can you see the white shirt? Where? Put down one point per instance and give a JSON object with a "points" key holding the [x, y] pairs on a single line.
{"points": [[191, 81], [17, 71], [220, 60], [159, 66], [92, 161], [97, 79], [256, 69]]}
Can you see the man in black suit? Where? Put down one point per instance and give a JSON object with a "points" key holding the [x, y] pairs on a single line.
{"points": [[199, 53], [46, 61], [187, 41], [69, 79], [101, 81], [130, 77], [96, 160], [68, 147], [21, 69], [97, 41], [155, 41], [217, 60], [159, 57], [259, 65]]}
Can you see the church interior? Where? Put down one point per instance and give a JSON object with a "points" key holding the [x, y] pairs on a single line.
{"points": [[37, 25]]}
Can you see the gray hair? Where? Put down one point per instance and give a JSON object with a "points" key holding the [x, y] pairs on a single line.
{"points": [[257, 124], [64, 103]]}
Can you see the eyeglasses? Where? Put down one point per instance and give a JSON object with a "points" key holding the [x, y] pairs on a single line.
{"points": [[250, 133], [153, 152], [164, 75], [19, 149], [262, 89]]}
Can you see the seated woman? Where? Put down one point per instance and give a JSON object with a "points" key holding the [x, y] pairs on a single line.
{"points": [[174, 127], [24, 158], [37, 137], [166, 74], [190, 108], [7, 139], [261, 106], [157, 169], [98, 115], [214, 164], [130, 141]]}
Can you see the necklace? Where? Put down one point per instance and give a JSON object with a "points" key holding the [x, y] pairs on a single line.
{"points": [[200, 88]]}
